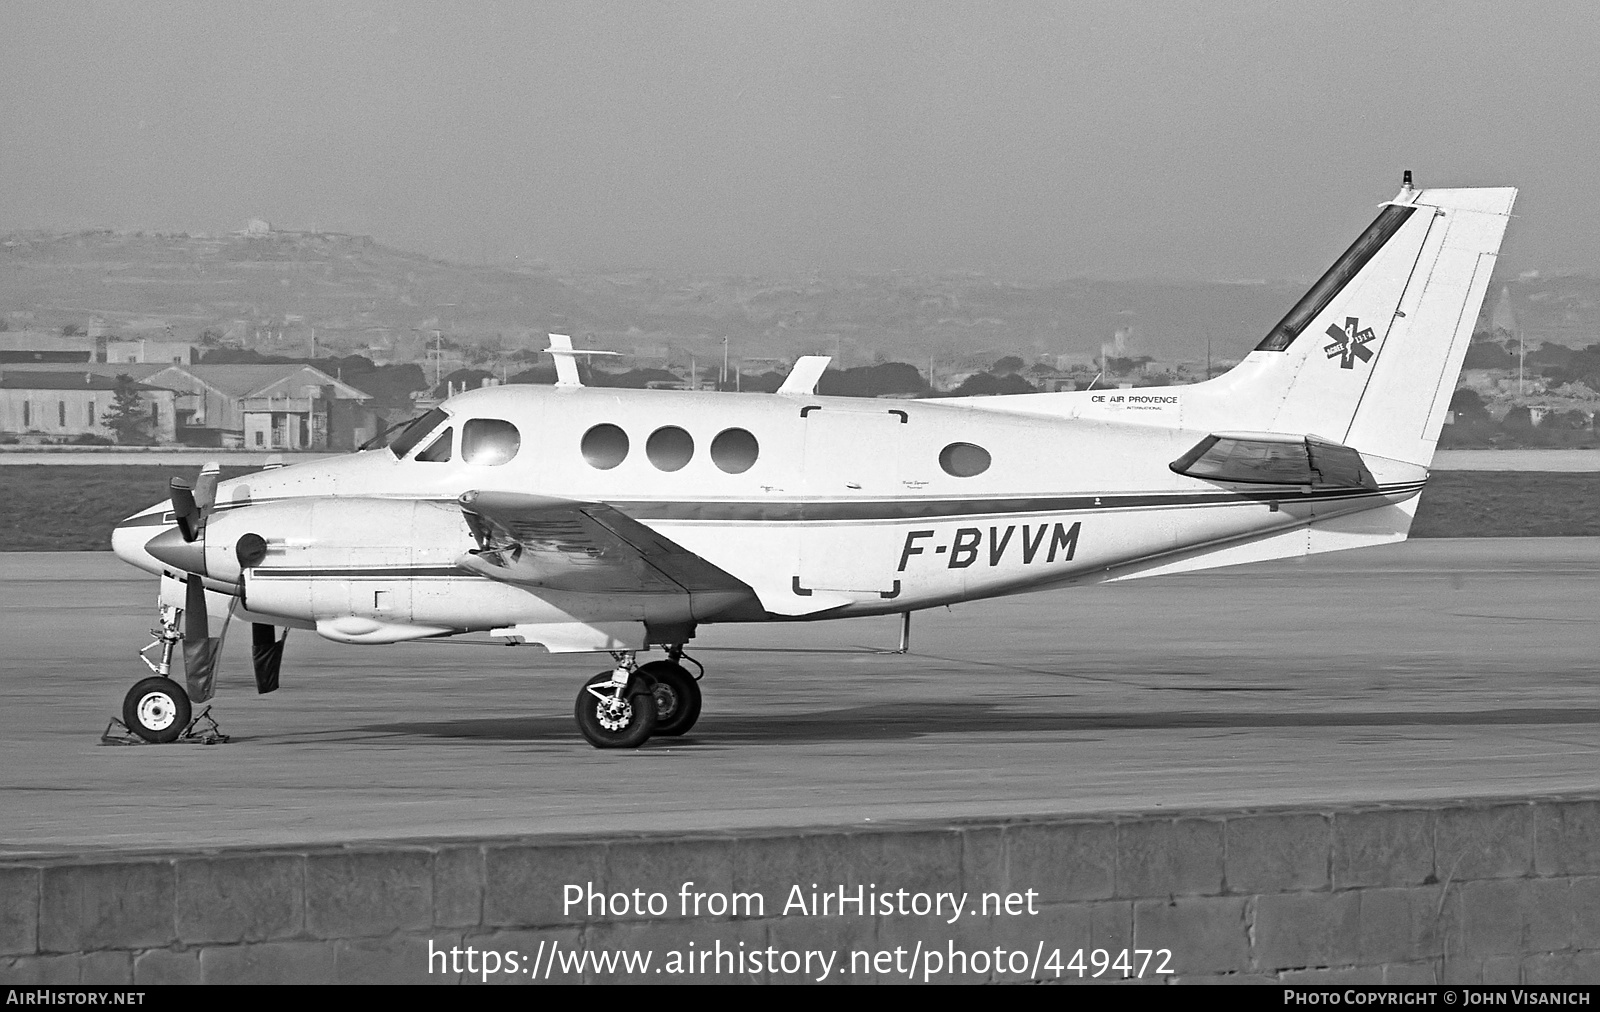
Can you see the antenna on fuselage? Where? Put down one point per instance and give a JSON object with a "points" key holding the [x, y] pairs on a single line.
{"points": [[567, 359], [802, 379]]}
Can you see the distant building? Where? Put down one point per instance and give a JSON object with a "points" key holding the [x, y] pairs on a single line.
{"points": [[758, 366], [1053, 381], [296, 407], [34, 346], [1504, 318], [645, 355], [1077, 362], [276, 407], [144, 352], [45, 406]]}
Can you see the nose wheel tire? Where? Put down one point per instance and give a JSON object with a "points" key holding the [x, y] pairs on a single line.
{"points": [[677, 697], [608, 720], [156, 709]]}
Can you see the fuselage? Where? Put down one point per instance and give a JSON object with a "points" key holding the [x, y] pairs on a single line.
{"points": [[824, 507]]}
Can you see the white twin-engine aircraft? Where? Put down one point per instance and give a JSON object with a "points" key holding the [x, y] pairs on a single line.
{"points": [[584, 519]]}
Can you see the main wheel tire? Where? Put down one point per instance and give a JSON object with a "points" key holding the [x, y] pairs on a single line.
{"points": [[156, 709], [677, 697], [608, 722]]}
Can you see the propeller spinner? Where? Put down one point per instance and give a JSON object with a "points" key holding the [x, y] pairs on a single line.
{"points": [[191, 507]]}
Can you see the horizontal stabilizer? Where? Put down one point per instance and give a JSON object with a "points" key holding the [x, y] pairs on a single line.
{"points": [[1268, 458]]}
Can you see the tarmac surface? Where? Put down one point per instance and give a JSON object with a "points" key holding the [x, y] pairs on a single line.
{"points": [[1433, 669]]}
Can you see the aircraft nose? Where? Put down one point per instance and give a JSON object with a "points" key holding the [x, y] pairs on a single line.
{"points": [[169, 547], [128, 539]]}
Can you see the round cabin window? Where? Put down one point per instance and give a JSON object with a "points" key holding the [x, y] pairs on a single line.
{"points": [[734, 451], [963, 460], [604, 446], [669, 448]]}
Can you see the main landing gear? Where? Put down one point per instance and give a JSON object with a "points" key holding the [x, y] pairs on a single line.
{"points": [[624, 707]]}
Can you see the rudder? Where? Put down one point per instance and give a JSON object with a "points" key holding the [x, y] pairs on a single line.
{"points": [[1402, 409]]}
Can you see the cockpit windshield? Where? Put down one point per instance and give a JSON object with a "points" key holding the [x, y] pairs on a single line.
{"points": [[414, 433], [381, 440]]}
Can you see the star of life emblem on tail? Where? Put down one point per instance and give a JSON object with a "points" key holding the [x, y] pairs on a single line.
{"points": [[1350, 343]]}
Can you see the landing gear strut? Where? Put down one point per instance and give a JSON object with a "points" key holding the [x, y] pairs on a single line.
{"points": [[156, 708]]}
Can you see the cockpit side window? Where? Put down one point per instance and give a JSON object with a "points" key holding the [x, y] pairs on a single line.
{"points": [[412, 434], [439, 450], [489, 441]]}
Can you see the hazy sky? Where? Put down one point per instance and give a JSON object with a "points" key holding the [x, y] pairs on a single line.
{"points": [[1112, 139]]}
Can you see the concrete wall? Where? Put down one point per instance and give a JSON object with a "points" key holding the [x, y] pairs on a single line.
{"points": [[1462, 892]]}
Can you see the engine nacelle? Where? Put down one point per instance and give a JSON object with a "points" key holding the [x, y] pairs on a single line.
{"points": [[334, 558], [379, 570]]}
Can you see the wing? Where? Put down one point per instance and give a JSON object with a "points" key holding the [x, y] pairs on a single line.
{"points": [[589, 548]]}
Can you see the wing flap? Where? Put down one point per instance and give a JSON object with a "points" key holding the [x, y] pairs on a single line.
{"points": [[583, 547], [676, 563]]}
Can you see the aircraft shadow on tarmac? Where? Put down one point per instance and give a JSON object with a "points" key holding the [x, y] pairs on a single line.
{"points": [[895, 721]]}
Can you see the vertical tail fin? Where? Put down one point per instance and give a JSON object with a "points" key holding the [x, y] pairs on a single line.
{"points": [[1369, 356]]}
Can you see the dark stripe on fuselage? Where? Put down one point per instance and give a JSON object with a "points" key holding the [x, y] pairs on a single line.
{"points": [[791, 511], [362, 573], [959, 509]]}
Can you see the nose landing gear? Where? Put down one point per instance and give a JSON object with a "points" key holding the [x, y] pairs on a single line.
{"points": [[156, 708]]}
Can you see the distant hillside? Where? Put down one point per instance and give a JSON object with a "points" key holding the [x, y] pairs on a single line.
{"points": [[273, 290], [273, 287]]}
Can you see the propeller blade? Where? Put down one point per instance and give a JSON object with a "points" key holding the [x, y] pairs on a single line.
{"points": [[184, 509], [266, 651], [205, 490], [191, 504], [201, 650], [195, 624]]}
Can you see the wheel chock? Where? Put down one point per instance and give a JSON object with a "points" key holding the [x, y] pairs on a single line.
{"points": [[202, 730]]}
